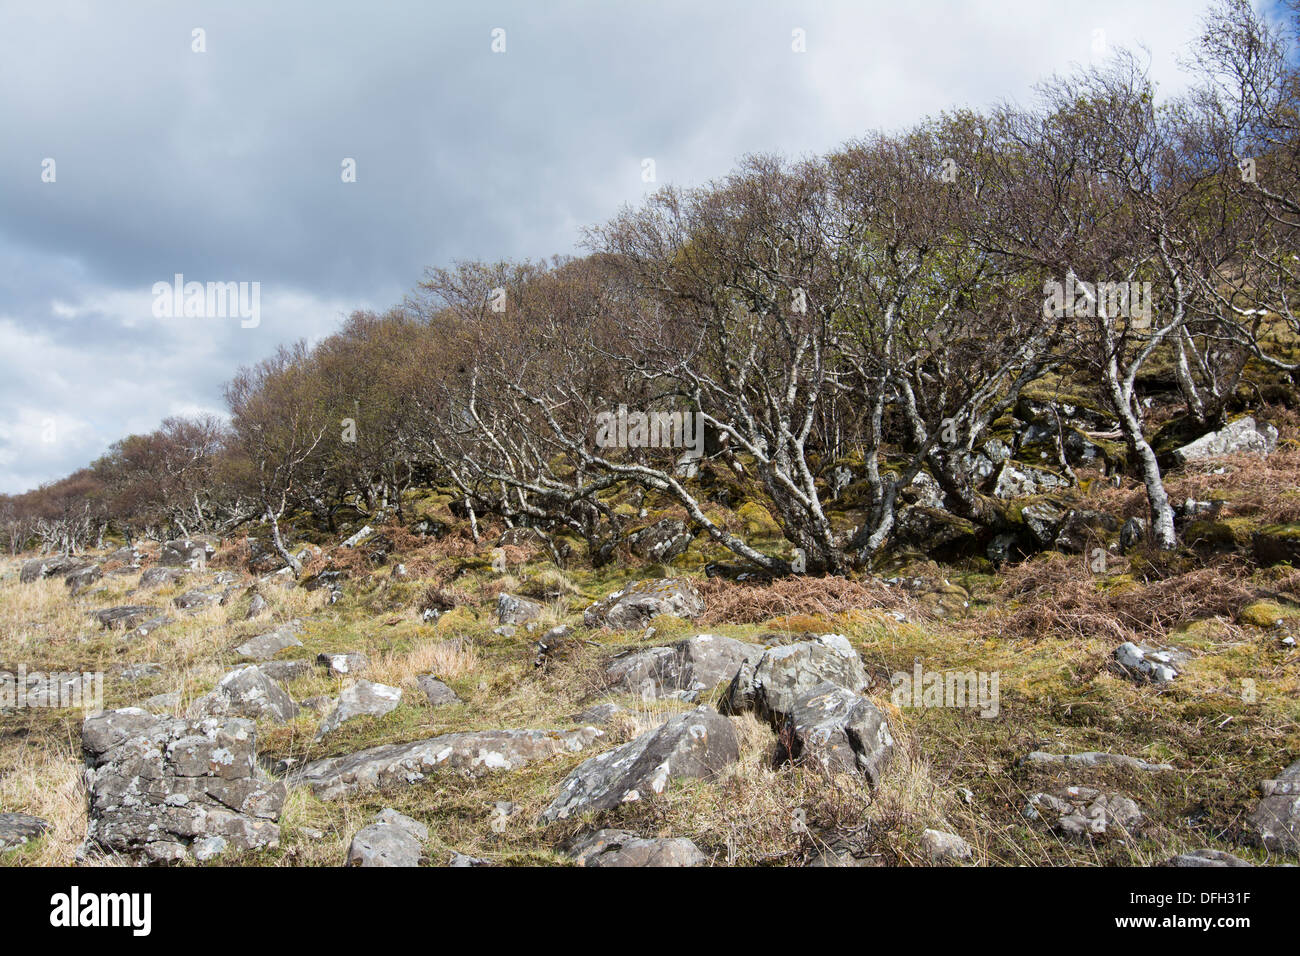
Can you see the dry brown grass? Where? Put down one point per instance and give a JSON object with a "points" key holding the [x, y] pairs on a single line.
{"points": [[733, 602]]}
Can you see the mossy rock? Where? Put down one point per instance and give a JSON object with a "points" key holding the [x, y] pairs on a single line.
{"points": [[460, 617], [1207, 535], [1276, 544], [756, 519], [1262, 614]]}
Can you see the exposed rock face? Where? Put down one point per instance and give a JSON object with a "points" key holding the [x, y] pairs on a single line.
{"points": [[162, 786], [661, 541], [1146, 664], [598, 713], [1275, 823], [1243, 435], [943, 847], [191, 600], [636, 604], [246, 692], [471, 753], [83, 577], [1093, 758], [513, 610], [392, 840], [1023, 481], [698, 743], [128, 615], [784, 674], [838, 729], [1084, 813], [192, 553], [265, 646], [1082, 529], [362, 699], [1042, 520], [48, 567], [1212, 858], [19, 828], [436, 691], [694, 664], [621, 848]]}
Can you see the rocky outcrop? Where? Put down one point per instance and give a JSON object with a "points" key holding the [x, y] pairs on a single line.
{"points": [[661, 541], [1241, 436], [471, 753], [1275, 823], [127, 615], [620, 848], [698, 743], [694, 664], [158, 574], [165, 787], [343, 663], [192, 553], [1147, 664], [48, 567], [634, 606], [781, 675], [362, 699], [839, 729], [246, 692], [513, 610]]}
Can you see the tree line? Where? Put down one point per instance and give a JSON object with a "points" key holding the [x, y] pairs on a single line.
{"points": [[883, 306]]}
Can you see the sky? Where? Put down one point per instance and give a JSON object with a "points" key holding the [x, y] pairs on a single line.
{"points": [[133, 149]]}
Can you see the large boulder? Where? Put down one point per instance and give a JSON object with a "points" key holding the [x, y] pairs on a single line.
{"points": [[246, 692], [839, 730], [634, 606], [1241, 436], [698, 743], [619, 848], [192, 553], [362, 699], [48, 567], [1275, 823], [83, 576], [471, 753], [159, 574], [694, 664], [1023, 481], [783, 674], [163, 787], [128, 615]]}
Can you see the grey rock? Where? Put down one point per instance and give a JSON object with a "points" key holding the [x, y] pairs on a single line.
{"points": [[1241, 436], [163, 703], [83, 577], [382, 844], [343, 663], [695, 744], [459, 860], [436, 691], [549, 646], [634, 606], [365, 532], [127, 615], [48, 567], [840, 730], [943, 847], [1133, 533], [158, 574], [139, 672], [158, 784], [195, 599], [1207, 858], [619, 848], [246, 692], [1023, 481], [514, 610], [19, 828], [1082, 529], [471, 753], [285, 671], [265, 646], [598, 713], [362, 699], [1085, 813], [784, 674], [696, 663], [257, 606], [1275, 823], [192, 553], [1042, 520], [391, 817], [661, 541]]}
